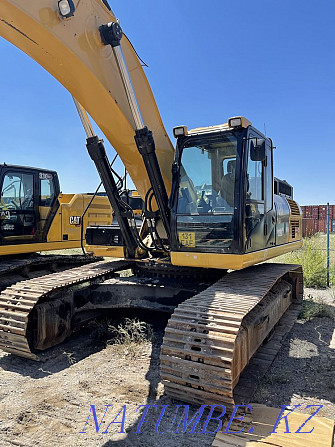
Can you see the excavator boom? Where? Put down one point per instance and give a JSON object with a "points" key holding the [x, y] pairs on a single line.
{"points": [[71, 49]]}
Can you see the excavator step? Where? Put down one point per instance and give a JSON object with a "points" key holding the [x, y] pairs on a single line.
{"points": [[212, 336]]}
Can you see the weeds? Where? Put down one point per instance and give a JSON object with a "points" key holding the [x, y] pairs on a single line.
{"points": [[279, 377], [70, 357], [312, 257], [130, 331], [128, 334], [262, 394], [313, 309], [331, 292], [266, 383]]}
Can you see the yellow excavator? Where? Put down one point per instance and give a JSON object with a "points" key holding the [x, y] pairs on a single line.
{"points": [[35, 215], [212, 210]]}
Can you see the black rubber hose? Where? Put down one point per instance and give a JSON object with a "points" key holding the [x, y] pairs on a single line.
{"points": [[105, 2], [86, 209]]}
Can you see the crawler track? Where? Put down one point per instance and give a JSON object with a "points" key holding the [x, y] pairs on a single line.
{"points": [[211, 337], [14, 269], [25, 302]]}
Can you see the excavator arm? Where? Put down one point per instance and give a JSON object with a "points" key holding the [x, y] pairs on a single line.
{"points": [[71, 49]]}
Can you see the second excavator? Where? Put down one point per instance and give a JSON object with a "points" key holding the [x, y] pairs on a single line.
{"points": [[35, 215], [211, 206]]}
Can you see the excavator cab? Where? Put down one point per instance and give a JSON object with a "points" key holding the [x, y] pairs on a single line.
{"points": [[35, 215], [27, 197], [222, 197], [204, 202]]}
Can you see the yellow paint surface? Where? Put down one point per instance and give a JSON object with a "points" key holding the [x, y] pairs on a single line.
{"points": [[228, 261]]}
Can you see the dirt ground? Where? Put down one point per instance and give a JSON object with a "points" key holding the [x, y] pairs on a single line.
{"points": [[304, 370], [48, 403]]}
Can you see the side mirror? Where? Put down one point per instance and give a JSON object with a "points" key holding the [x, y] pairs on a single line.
{"points": [[257, 149]]}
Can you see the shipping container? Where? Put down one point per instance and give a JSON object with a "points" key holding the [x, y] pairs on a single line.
{"points": [[315, 219], [304, 211], [307, 227], [318, 211], [314, 211], [307, 211], [322, 212], [322, 225]]}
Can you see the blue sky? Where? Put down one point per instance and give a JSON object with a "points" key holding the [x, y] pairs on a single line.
{"points": [[270, 61]]}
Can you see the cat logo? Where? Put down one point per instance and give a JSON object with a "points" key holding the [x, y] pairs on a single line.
{"points": [[75, 220]]}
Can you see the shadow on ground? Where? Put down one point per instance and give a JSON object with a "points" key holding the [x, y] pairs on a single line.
{"points": [[304, 367], [76, 348]]}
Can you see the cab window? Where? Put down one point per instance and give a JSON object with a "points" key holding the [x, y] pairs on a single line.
{"points": [[255, 181], [268, 179], [206, 199], [17, 192], [255, 193], [47, 191]]}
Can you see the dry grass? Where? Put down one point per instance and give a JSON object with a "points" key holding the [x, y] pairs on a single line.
{"points": [[130, 331], [262, 394], [331, 292], [312, 308], [125, 334], [70, 357], [278, 377], [312, 257]]}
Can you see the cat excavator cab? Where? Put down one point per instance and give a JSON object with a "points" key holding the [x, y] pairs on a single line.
{"points": [[35, 215]]}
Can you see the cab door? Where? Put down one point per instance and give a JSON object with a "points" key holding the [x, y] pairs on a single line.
{"points": [[259, 210], [48, 192], [19, 215]]}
